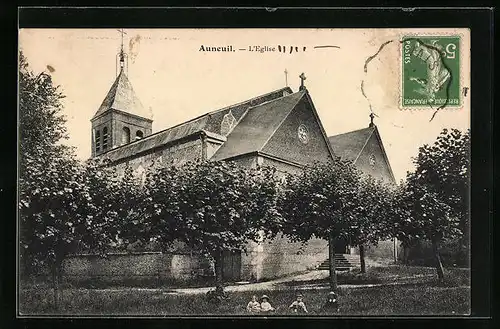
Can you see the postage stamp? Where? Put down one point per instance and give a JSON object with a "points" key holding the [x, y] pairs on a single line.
{"points": [[430, 72]]}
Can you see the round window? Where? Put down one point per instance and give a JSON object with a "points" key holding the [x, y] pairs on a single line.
{"points": [[303, 133]]}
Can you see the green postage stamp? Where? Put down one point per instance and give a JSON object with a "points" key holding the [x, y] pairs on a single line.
{"points": [[430, 72]]}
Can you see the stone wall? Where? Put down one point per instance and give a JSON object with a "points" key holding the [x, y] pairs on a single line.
{"points": [[280, 257], [134, 123], [176, 154], [384, 251], [138, 267], [281, 167], [249, 161]]}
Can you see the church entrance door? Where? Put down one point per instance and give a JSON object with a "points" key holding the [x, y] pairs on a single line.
{"points": [[341, 246], [231, 269]]}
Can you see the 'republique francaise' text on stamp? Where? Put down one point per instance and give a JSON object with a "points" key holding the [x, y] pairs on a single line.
{"points": [[430, 72]]}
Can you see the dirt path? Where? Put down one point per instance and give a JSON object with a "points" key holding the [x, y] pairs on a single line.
{"points": [[280, 284], [268, 285]]}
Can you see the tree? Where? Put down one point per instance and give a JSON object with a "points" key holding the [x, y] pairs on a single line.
{"points": [[433, 203], [41, 128], [444, 167], [41, 123], [62, 203], [212, 207], [162, 207], [60, 209], [128, 199], [421, 214], [322, 202], [373, 222]]}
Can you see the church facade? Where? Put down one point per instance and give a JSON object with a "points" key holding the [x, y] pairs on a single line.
{"points": [[280, 128]]}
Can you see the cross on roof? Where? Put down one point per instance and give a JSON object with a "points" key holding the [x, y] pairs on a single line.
{"points": [[122, 33], [372, 115], [286, 77], [121, 48], [302, 77]]}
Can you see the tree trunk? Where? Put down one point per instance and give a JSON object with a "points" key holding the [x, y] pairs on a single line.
{"points": [[219, 261], [55, 287], [331, 252], [406, 254], [439, 265], [362, 258]]}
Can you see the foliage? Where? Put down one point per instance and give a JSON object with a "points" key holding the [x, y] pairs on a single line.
{"points": [[64, 208], [323, 200], [41, 123], [211, 206], [128, 202], [433, 202], [444, 168], [63, 204], [373, 220], [423, 215]]}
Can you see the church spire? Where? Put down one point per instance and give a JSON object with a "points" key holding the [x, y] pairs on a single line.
{"points": [[122, 55]]}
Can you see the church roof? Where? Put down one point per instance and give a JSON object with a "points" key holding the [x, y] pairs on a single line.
{"points": [[257, 126], [208, 123], [121, 96], [349, 145]]}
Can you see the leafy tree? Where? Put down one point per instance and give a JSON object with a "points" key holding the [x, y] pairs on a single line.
{"points": [[433, 203], [41, 123], [60, 207], [212, 207], [445, 168], [373, 222], [322, 202], [62, 203], [162, 223], [127, 197], [421, 214], [41, 128]]}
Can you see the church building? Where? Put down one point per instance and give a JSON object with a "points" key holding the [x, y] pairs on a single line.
{"points": [[280, 128]]}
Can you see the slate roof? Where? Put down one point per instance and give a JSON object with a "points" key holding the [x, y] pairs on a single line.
{"points": [[121, 96], [210, 123], [349, 145], [257, 126]]}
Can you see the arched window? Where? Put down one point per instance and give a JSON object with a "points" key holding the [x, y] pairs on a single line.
{"points": [[105, 138], [98, 141], [125, 136], [139, 134]]}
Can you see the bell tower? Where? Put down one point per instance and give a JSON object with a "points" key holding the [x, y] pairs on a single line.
{"points": [[121, 118]]}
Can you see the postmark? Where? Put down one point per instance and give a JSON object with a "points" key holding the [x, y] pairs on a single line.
{"points": [[430, 76]]}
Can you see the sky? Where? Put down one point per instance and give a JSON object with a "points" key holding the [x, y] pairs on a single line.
{"points": [[178, 82]]}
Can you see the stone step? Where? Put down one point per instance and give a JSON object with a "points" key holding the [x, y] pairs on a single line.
{"points": [[342, 262]]}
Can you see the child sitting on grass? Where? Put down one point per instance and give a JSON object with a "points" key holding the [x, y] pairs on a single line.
{"points": [[265, 306], [331, 305], [217, 296], [253, 306], [298, 305]]}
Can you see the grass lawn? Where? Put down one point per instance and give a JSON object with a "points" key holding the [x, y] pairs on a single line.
{"points": [[424, 295]]}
